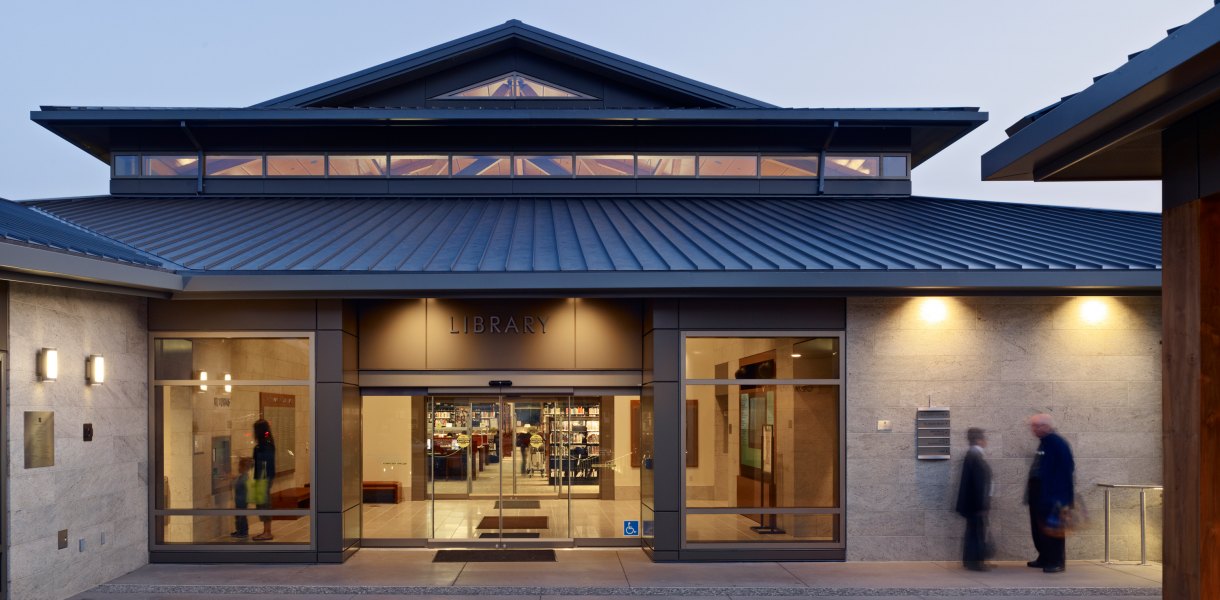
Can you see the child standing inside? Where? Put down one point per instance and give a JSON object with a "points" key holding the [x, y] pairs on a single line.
{"points": [[240, 487]]}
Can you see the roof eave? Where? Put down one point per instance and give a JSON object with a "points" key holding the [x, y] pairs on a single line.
{"points": [[1120, 106], [52, 264], [1116, 281]]}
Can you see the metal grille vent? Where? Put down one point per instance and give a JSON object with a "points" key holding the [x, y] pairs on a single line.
{"points": [[932, 433]]}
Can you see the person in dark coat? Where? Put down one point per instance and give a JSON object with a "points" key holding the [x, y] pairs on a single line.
{"points": [[264, 468], [974, 500], [1050, 489]]}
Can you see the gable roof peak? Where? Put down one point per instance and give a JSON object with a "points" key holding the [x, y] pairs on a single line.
{"points": [[419, 63]]}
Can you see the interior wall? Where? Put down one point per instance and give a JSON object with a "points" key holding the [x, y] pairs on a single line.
{"points": [[387, 439], [96, 488]]}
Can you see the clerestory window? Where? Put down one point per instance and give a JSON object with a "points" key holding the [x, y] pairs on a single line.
{"points": [[513, 85]]}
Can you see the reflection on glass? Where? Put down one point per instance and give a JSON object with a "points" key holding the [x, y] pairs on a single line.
{"points": [[894, 166], [852, 166], [790, 358], [746, 528], [226, 165], [665, 166], [421, 165], [607, 165], [357, 166], [218, 529], [790, 166], [555, 165], [728, 166], [171, 166], [513, 85], [482, 166], [296, 165], [126, 165]]}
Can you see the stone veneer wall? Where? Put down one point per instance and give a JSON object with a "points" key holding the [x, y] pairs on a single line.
{"points": [[95, 488], [994, 362]]}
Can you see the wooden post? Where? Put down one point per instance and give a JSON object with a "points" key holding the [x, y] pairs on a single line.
{"points": [[1191, 355]]}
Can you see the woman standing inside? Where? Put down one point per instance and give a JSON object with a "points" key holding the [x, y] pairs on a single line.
{"points": [[264, 473]]}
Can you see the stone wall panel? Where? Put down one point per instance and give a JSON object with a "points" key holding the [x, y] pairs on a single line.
{"points": [[94, 488], [994, 362]]}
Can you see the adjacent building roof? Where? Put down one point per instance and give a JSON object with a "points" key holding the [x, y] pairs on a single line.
{"points": [[1111, 129], [534, 243]]}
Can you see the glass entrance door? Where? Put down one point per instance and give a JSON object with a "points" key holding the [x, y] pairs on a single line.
{"points": [[501, 468]]}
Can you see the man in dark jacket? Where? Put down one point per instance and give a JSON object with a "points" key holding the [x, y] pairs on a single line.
{"points": [[974, 500], [1050, 489]]}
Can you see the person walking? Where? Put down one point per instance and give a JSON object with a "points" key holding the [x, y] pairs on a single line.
{"points": [[974, 500], [264, 473], [1049, 491]]}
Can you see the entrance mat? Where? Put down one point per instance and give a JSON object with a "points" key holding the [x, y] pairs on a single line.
{"points": [[511, 535], [518, 504], [513, 523], [451, 556]]}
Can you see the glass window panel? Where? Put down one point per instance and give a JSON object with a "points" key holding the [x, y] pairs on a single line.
{"points": [[232, 165], [528, 87], [219, 529], [778, 528], [790, 166], [551, 165], [728, 166], [774, 446], [371, 165], [208, 456], [665, 166], [762, 358], [181, 165], [421, 165], [296, 165], [126, 165], [482, 166], [498, 88], [248, 359], [894, 166], [852, 166], [606, 165]]}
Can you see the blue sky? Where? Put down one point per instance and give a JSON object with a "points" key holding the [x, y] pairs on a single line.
{"points": [[1008, 57]]}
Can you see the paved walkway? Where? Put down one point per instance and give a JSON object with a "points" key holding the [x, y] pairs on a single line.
{"points": [[607, 572]]}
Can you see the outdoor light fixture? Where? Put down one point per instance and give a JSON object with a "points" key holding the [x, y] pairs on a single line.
{"points": [[934, 310], [228, 388], [48, 364], [1093, 311], [796, 355], [95, 369], [203, 376]]}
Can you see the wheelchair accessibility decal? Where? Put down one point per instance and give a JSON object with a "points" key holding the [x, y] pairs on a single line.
{"points": [[631, 528]]}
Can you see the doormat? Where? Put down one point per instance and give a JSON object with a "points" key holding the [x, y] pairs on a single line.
{"points": [[511, 535], [518, 504], [452, 556], [513, 523]]}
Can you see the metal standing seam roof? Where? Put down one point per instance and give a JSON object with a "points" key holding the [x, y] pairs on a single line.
{"points": [[24, 225], [607, 234]]}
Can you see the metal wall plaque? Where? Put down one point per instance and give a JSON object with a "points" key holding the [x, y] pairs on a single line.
{"points": [[932, 433], [39, 439]]}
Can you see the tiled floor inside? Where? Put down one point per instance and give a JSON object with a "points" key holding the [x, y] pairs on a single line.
{"points": [[629, 571]]}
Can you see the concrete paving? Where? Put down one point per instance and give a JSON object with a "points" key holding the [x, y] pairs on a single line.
{"points": [[587, 573]]}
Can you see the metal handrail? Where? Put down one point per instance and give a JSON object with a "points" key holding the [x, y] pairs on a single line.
{"points": [[1143, 488]]}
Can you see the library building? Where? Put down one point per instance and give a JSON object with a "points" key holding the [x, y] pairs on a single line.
{"points": [[514, 291]]}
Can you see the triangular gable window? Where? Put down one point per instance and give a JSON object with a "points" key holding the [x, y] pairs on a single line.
{"points": [[514, 85]]}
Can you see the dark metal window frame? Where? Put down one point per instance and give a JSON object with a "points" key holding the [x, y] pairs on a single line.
{"points": [[157, 432], [840, 382]]}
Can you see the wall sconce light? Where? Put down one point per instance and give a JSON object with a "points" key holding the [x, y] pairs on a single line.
{"points": [[48, 364], [203, 376], [934, 310], [95, 369], [228, 388], [1093, 311]]}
